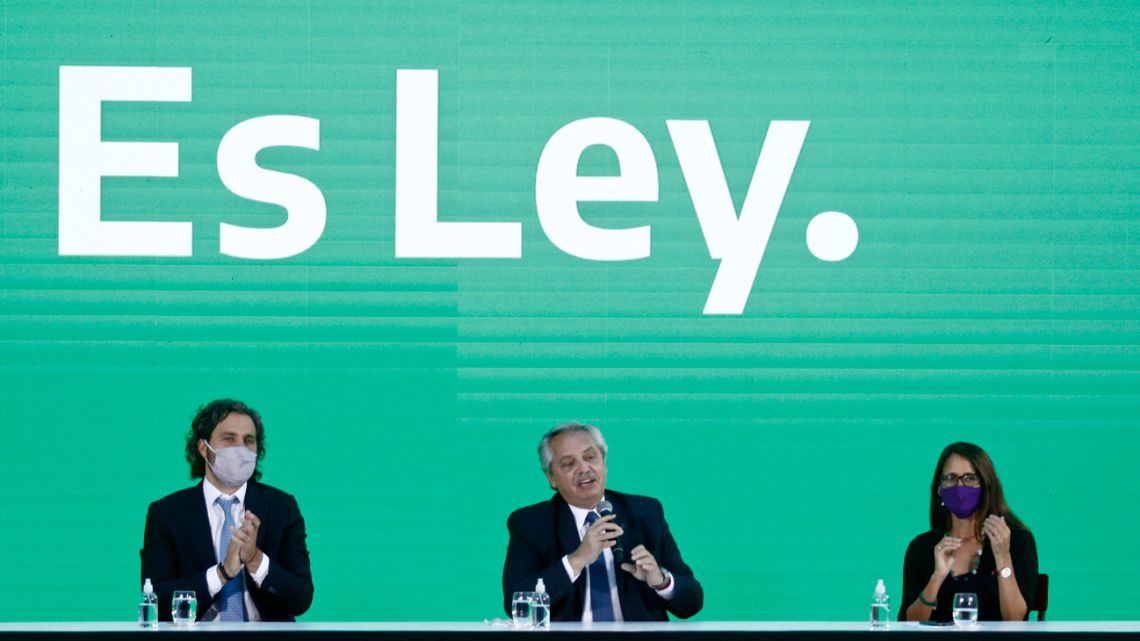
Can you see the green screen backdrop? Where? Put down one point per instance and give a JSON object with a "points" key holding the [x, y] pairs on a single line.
{"points": [[986, 152]]}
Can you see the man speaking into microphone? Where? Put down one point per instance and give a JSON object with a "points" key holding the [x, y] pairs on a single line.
{"points": [[603, 555]]}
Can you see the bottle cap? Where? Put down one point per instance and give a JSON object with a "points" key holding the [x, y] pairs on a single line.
{"points": [[880, 588], [540, 586], [147, 587]]}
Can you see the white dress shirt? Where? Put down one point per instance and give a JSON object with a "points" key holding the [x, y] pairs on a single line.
{"points": [[217, 521], [587, 612]]}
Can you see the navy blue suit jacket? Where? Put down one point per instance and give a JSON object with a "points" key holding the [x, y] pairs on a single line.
{"points": [[541, 534], [178, 549]]}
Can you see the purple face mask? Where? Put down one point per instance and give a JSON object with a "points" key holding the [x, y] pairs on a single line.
{"points": [[961, 500]]}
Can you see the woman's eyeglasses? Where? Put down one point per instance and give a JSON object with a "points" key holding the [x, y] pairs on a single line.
{"points": [[969, 480]]}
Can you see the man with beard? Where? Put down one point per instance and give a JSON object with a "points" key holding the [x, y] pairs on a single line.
{"points": [[238, 543]]}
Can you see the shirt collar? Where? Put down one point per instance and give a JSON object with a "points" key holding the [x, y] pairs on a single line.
{"points": [[212, 493], [580, 515]]}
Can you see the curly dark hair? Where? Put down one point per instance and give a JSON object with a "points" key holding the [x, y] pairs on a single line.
{"points": [[202, 427], [993, 496]]}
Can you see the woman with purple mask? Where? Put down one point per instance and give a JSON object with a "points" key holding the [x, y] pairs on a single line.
{"points": [[975, 544]]}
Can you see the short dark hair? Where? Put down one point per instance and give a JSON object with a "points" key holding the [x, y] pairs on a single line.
{"points": [[202, 428], [993, 497]]}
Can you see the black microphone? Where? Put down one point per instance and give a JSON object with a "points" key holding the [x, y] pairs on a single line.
{"points": [[605, 508]]}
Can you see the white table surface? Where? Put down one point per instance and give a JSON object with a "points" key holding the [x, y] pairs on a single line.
{"points": [[673, 626]]}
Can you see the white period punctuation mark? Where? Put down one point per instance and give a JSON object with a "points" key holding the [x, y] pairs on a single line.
{"points": [[832, 236]]}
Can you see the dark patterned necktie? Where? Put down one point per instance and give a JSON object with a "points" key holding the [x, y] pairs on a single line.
{"points": [[601, 603]]}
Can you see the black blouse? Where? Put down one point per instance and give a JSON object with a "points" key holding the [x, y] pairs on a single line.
{"points": [[919, 565]]}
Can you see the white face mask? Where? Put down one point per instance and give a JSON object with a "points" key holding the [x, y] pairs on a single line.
{"points": [[233, 465]]}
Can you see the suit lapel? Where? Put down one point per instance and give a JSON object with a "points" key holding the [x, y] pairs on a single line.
{"points": [[568, 541], [197, 525], [255, 502], [626, 583]]}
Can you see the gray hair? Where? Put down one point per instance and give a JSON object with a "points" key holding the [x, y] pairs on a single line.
{"points": [[546, 453]]}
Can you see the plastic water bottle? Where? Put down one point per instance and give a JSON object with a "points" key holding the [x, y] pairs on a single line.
{"points": [[880, 607], [540, 607], [148, 607]]}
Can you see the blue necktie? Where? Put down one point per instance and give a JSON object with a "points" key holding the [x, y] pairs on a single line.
{"points": [[231, 600], [601, 603]]}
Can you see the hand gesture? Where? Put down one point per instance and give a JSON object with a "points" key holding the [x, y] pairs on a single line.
{"points": [[644, 566], [601, 535], [232, 562], [246, 537], [944, 555], [998, 533]]}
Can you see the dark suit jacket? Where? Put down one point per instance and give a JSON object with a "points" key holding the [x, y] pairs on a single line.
{"points": [[541, 534], [178, 549]]}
